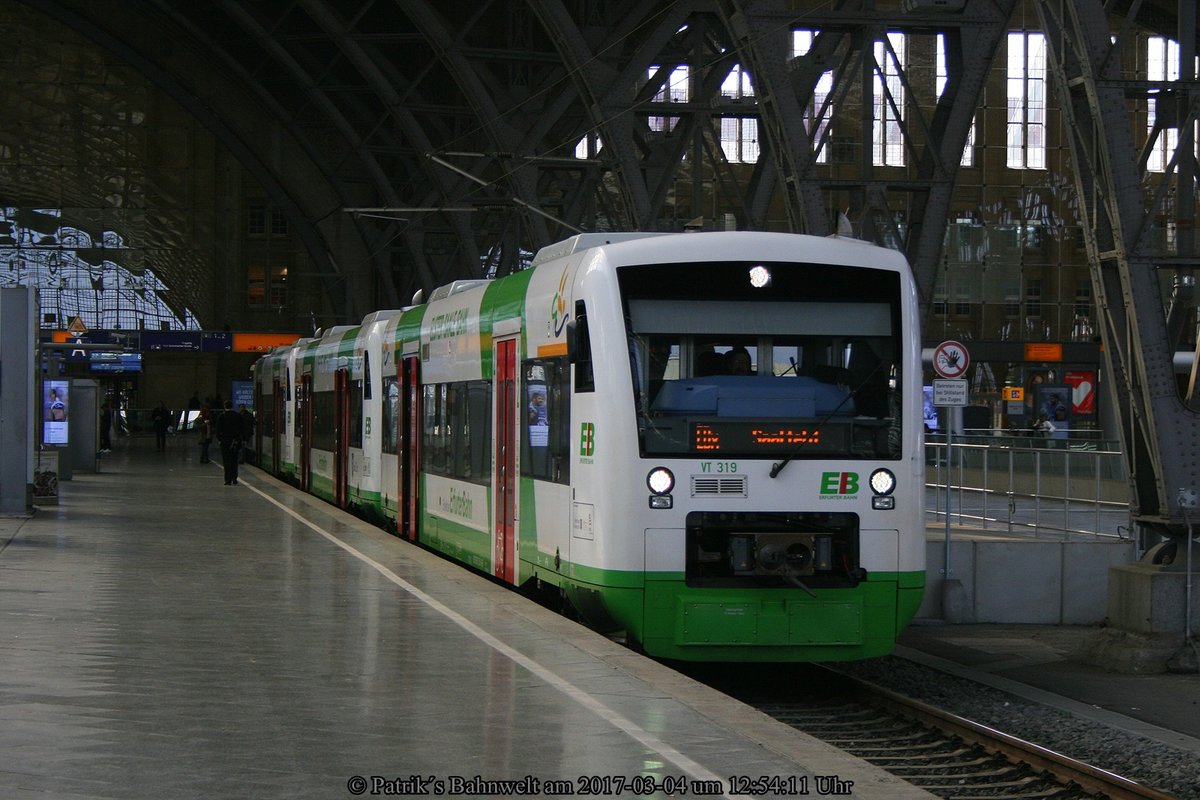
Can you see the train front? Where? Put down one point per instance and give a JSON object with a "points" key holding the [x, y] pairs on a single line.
{"points": [[775, 390]]}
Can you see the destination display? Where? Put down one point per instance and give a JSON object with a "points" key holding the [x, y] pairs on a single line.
{"points": [[768, 438]]}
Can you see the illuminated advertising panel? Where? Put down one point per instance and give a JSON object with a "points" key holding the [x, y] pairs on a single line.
{"points": [[55, 412]]}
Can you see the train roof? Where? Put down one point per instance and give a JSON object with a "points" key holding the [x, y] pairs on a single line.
{"points": [[726, 245], [586, 241]]}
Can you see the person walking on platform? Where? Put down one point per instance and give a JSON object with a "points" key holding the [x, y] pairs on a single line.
{"points": [[229, 434], [106, 421], [204, 424], [161, 420]]}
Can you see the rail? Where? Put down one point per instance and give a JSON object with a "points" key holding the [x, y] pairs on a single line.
{"points": [[1059, 487]]}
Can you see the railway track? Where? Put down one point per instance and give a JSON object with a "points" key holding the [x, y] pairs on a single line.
{"points": [[945, 754]]}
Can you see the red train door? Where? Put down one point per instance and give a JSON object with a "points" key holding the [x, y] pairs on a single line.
{"points": [[505, 479], [259, 406], [279, 426], [304, 429], [341, 435], [409, 448]]}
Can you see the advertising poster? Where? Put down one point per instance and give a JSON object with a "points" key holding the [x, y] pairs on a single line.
{"points": [[55, 411], [45, 477], [1083, 391]]}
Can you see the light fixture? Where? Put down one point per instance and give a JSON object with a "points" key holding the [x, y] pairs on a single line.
{"points": [[760, 277]]}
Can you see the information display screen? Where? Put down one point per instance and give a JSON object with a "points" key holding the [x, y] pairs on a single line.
{"points": [[768, 437]]}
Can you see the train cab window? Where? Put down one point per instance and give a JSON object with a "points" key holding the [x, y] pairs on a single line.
{"points": [[545, 425], [807, 379]]}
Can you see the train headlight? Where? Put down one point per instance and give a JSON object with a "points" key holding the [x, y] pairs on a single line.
{"points": [[660, 480], [760, 277], [883, 483]]}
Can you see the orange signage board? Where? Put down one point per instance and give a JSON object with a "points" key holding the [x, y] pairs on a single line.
{"points": [[1014, 394], [261, 342], [1043, 351]]}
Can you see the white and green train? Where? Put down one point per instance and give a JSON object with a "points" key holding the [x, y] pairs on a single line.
{"points": [[711, 441]]}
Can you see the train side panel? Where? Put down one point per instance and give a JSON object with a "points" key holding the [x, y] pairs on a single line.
{"points": [[371, 359]]}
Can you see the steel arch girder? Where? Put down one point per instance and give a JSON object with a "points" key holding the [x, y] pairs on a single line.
{"points": [[1160, 435]]}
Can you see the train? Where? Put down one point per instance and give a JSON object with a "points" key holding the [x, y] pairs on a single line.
{"points": [[709, 441]]}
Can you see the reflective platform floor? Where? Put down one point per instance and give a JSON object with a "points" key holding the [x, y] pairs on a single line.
{"points": [[163, 635]]}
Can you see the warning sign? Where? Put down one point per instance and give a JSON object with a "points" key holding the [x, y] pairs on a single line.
{"points": [[76, 328]]}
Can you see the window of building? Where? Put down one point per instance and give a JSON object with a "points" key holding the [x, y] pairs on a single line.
{"points": [[1012, 299], [739, 135], [940, 307], [266, 287], [675, 89], [943, 75], [256, 219], [1083, 297], [279, 223], [1162, 64], [819, 110], [588, 146], [1026, 138], [887, 137], [962, 295], [262, 219], [1033, 297]]}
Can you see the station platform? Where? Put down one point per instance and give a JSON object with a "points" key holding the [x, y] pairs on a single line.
{"points": [[166, 635]]}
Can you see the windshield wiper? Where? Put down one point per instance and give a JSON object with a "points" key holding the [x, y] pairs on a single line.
{"points": [[777, 467]]}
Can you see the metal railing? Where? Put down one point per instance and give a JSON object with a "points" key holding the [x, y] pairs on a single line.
{"points": [[1017, 484]]}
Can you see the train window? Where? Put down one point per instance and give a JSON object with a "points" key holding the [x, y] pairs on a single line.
{"points": [[356, 413], [366, 376], [471, 430], [581, 351], [266, 417], [322, 420], [457, 440], [391, 414], [545, 425], [435, 439]]}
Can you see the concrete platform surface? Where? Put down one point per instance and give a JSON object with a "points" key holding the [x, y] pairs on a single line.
{"points": [[165, 635]]}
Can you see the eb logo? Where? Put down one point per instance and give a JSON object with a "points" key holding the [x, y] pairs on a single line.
{"points": [[839, 483], [587, 439]]}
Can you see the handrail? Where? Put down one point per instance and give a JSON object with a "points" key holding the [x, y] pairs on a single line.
{"points": [[1068, 487]]}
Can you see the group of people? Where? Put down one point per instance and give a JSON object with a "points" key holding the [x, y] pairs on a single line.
{"points": [[233, 430]]}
